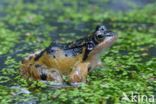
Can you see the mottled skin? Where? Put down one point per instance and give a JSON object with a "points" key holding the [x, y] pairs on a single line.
{"points": [[75, 59]]}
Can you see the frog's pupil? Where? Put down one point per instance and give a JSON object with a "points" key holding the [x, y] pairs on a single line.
{"points": [[100, 36], [102, 29]]}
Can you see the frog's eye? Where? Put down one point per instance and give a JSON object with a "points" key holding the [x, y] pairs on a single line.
{"points": [[100, 36], [100, 33]]}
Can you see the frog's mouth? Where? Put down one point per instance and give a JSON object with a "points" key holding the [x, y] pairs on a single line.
{"points": [[110, 38]]}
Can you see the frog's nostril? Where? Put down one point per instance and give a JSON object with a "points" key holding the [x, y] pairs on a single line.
{"points": [[110, 34]]}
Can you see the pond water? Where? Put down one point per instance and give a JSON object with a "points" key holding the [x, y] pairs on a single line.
{"points": [[30, 25]]}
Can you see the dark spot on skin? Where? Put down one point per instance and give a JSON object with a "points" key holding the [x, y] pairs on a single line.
{"points": [[66, 55], [43, 76], [52, 51], [37, 65], [52, 48], [54, 56], [39, 55], [23, 61], [30, 57], [80, 52]]}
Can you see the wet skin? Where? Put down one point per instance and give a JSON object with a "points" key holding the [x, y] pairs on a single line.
{"points": [[74, 59]]}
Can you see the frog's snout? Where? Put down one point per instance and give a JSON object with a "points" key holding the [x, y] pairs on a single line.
{"points": [[110, 34], [105, 34], [110, 37], [102, 34]]}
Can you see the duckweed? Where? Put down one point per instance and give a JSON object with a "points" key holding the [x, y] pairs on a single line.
{"points": [[30, 25]]}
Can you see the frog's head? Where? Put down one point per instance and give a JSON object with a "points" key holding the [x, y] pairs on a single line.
{"points": [[103, 38], [102, 34]]}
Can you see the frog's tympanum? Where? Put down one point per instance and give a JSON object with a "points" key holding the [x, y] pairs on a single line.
{"points": [[74, 59]]}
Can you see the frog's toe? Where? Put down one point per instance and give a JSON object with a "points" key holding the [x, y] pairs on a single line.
{"points": [[75, 78], [54, 76]]}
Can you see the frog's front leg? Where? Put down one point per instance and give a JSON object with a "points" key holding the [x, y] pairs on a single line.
{"points": [[79, 72], [95, 62]]}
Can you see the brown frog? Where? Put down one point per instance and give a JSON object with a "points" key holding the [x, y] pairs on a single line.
{"points": [[74, 59]]}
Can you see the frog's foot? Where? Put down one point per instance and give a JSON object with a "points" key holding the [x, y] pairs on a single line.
{"points": [[54, 76], [95, 64], [79, 73]]}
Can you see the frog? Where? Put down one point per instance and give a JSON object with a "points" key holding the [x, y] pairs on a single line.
{"points": [[74, 59]]}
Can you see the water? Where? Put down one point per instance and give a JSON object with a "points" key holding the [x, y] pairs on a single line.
{"points": [[66, 30]]}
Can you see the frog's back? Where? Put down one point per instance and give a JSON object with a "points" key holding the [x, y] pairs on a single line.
{"points": [[61, 56]]}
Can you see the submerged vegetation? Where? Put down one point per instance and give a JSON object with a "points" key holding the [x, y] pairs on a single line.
{"points": [[30, 25]]}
